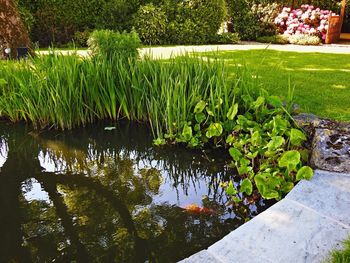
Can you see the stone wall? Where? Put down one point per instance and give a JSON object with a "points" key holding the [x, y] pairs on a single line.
{"points": [[13, 34]]}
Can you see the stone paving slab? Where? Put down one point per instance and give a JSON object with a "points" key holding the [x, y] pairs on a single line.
{"points": [[312, 220], [202, 257], [327, 194]]}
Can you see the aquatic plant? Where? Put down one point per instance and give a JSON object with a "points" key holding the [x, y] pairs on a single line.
{"points": [[68, 91], [184, 100], [265, 145]]}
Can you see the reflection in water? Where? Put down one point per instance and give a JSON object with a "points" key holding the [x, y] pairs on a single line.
{"points": [[91, 195]]}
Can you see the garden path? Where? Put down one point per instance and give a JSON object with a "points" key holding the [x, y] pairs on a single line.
{"points": [[167, 52]]}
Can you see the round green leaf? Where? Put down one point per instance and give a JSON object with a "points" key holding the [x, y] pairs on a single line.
{"points": [[200, 117], [200, 106], [275, 143], [305, 172], [214, 130], [187, 133], [260, 101], [246, 186], [235, 154], [232, 112], [289, 159], [275, 101], [297, 137], [231, 190]]}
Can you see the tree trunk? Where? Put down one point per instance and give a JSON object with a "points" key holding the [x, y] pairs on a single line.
{"points": [[13, 33]]}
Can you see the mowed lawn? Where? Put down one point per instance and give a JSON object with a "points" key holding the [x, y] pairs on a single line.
{"points": [[321, 81]]}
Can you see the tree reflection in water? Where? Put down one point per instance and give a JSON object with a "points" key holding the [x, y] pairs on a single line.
{"points": [[91, 195]]}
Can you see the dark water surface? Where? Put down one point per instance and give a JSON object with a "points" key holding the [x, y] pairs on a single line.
{"points": [[91, 195]]}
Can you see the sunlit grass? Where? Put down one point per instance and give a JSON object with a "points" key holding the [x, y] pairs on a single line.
{"points": [[342, 256], [321, 81]]}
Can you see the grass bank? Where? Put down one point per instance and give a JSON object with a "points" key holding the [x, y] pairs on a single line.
{"points": [[321, 81]]}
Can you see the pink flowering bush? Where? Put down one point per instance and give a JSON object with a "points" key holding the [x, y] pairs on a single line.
{"points": [[306, 20]]}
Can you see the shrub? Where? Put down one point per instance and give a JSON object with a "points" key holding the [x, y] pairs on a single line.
{"points": [[304, 39], [307, 20], [277, 39], [244, 22], [81, 38], [108, 43], [57, 21], [226, 38], [27, 17], [193, 22], [266, 14], [150, 23]]}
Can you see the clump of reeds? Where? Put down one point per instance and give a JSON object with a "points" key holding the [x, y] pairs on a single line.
{"points": [[67, 91]]}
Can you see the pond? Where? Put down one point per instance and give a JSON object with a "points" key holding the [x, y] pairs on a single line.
{"points": [[96, 195]]}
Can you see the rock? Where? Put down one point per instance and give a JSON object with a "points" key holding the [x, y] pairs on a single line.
{"points": [[307, 119], [13, 33], [331, 150]]}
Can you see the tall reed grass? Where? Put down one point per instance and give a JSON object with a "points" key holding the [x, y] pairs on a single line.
{"points": [[67, 91]]}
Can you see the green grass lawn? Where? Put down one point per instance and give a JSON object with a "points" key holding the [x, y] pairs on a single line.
{"points": [[321, 81]]}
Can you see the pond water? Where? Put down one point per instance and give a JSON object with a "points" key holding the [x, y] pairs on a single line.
{"points": [[92, 195]]}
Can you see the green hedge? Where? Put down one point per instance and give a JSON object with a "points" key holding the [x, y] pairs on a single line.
{"points": [[181, 22], [57, 21], [160, 22], [150, 23], [157, 22]]}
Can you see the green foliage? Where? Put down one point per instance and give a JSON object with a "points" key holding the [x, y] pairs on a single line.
{"points": [[186, 100], [171, 22], [194, 22], [67, 91], [81, 38], [150, 23], [226, 38], [214, 130], [57, 21], [26, 16], [244, 22], [266, 14], [277, 39], [246, 187], [253, 19], [342, 256], [108, 43], [261, 138]]}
